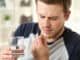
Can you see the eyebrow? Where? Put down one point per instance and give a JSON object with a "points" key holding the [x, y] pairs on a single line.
{"points": [[49, 16], [53, 17]]}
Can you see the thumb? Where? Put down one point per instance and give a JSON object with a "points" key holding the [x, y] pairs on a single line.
{"points": [[43, 40]]}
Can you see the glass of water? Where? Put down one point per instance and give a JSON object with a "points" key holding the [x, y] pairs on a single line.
{"points": [[17, 46]]}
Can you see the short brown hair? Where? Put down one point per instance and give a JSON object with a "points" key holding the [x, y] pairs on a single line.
{"points": [[65, 3]]}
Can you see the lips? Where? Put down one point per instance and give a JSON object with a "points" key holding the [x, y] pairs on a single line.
{"points": [[47, 30]]}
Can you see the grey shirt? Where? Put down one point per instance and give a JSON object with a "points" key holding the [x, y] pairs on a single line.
{"points": [[57, 50]]}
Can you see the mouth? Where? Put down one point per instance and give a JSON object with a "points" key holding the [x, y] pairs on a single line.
{"points": [[47, 30]]}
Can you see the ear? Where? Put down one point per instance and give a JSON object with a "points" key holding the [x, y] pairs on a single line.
{"points": [[67, 15]]}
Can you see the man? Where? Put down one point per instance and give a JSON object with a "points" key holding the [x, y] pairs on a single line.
{"points": [[55, 42]]}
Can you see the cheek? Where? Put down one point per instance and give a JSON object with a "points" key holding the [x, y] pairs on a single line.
{"points": [[57, 24]]}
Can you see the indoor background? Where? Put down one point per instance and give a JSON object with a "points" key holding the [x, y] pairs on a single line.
{"points": [[16, 12]]}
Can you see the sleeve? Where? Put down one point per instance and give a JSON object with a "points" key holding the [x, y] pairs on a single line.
{"points": [[76, 55], [78, 52]]}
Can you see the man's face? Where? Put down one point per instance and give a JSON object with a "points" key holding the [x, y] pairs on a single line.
{"points": [[50, 19]]}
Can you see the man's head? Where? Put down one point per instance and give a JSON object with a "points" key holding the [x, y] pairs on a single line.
{"points": [[52, 15]]}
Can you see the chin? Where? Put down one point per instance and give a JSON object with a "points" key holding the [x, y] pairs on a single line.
{"points": [[47, 35]]}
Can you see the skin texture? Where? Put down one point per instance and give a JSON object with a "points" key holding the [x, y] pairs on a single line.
{"points": [[51, 19]]}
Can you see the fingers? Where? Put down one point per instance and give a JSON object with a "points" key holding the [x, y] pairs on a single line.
{"points": [[38, 43], [42, 40], [6, 51], [6, 54], [39, 48]]}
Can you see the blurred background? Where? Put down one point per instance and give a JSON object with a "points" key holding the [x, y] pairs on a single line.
{"points": [[16, 12]]}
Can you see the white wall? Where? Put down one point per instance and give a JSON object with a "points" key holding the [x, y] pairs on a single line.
{"points": [[74, 21], [15, 10]]}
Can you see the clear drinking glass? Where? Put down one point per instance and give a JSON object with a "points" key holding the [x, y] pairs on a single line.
{"points": [[27, 51], [17, 46]]}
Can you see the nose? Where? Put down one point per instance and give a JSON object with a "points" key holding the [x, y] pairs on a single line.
{"points": [[46, 22]]}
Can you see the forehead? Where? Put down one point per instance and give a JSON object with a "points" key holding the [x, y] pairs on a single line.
{"points": [[46, 9]]}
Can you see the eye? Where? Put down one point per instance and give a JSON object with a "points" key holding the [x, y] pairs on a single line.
{"points": [[53, 18], [42, 16]]}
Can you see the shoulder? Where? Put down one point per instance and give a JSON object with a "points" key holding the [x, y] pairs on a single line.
{"points": [[72, 42], [71, 36]]}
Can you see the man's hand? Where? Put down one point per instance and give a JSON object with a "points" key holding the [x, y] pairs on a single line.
{"points": [[40, 49], [6, 54]]}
